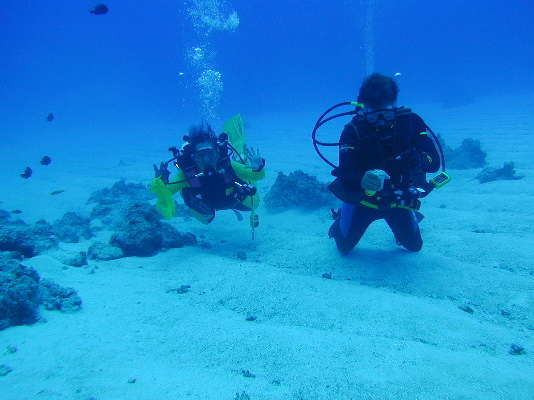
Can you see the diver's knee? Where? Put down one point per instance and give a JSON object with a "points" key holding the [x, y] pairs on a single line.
{"points": [[343, 248], [413, 246], [343, 245], [334, 231]]}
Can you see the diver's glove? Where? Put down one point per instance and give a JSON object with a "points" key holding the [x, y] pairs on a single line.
{"points": [[162, 172], [254, 160], [373, 181]]}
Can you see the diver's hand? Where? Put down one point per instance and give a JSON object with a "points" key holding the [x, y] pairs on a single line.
{"points": [[254, 159], [373, 180], [162, 172]]}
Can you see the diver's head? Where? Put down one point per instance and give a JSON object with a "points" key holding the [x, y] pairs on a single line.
{"points": [[378, 91], [204, 148], [206, 155]]}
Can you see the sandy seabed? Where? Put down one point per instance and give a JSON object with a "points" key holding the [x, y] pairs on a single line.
{"points": [[388, 325]]}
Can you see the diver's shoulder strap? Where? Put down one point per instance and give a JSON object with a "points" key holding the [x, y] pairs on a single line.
{"points": [[355, 130]]}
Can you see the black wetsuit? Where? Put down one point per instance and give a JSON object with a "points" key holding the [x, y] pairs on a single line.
{"points": [[215, 191], [402, 148]]}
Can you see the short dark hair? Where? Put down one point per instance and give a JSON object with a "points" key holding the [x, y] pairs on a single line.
{"points": [[200, 134], [378, 91]]}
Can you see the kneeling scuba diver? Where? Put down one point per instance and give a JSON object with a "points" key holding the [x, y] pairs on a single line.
{"points": [[385, 153], [212, 175], [392, 190]]}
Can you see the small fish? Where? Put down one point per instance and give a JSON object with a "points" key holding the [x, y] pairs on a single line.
{"points": [[27, 173], [56, 192], [45, 160], [16, 212], [100, 9], [50, 117]]}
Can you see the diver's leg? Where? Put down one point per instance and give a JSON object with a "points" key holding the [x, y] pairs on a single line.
{"points": [[240, 206], [200, 209], [350, 225], [203, 218], [405, 227]]}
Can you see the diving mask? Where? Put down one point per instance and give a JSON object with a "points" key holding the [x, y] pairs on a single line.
{"points": [[206, 156], [378, 117]]}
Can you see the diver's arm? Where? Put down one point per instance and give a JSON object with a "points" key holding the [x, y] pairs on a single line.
{"points": [[248, 174], [429, 152], [426, 146], [428, 149], [158, 183], [165, 203], [181, 182]]}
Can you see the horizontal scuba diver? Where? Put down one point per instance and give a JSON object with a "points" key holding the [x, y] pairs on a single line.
{"points": [[385, 153], [212, 175]]}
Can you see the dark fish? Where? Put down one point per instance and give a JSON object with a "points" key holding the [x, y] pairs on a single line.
{"points": [[45, 160], [100, 9], [27, 173], [16, 212], [55, 192], [50, 117]]}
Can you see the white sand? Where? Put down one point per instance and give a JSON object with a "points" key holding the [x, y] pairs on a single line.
{"points": [[387, 326]]}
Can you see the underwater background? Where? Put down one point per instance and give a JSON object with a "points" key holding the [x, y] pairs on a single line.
{"points": [[120, 71], [211, 313]]}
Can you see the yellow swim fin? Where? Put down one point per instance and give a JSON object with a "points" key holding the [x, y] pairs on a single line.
{"points": [[235, 129], [165, 205]]}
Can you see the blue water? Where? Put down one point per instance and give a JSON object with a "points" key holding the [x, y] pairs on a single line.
{"points": [[119, 72], [124, 87]]}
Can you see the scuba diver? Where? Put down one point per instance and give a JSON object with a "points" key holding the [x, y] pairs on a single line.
{"points": [[214, 173], [385, 153]]}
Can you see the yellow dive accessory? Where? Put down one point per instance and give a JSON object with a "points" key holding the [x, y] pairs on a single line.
{"points": [[235, 129], [440, 180], [165, 204]]}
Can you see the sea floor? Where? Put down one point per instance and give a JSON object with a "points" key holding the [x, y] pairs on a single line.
{"points": [[268, 325]]}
